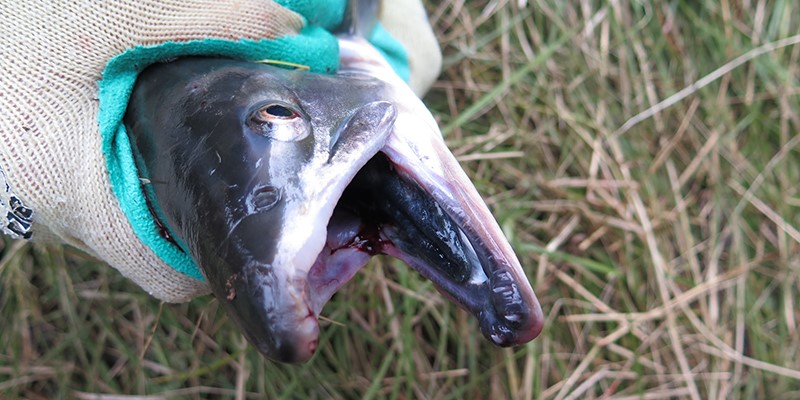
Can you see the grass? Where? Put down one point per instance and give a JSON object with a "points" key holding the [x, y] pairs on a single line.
{"points": [[642, 156]]}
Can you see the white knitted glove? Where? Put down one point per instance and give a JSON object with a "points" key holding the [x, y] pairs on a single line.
{"points": [[52, 56], [407, 21]]}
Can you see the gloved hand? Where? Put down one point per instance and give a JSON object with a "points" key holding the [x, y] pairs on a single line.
{"points": [[407, 22], [52, 151]]}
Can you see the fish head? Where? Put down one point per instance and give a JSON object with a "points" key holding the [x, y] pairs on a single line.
{"points": [[243, 160], [282, 184]]}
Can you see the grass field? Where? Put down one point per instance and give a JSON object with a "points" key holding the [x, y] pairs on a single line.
{"points": [[642, 156]]}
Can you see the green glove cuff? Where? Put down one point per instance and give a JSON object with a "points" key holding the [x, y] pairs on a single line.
{"points": [[392, 50], [314, 46]]}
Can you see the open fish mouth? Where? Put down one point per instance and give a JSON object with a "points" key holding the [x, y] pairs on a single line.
{"points": [[386, 209], [282, 184]]}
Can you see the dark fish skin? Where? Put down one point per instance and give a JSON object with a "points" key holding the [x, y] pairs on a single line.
{"points": [[227, 182]]}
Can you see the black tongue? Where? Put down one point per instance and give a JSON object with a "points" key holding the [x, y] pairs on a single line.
{"points": [[405, 218], [410, 225]]}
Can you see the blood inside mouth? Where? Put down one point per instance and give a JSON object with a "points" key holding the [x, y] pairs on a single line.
{"points": [[381, 212]]}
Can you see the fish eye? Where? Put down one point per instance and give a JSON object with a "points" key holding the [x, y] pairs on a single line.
{"points": [[278, 121]]}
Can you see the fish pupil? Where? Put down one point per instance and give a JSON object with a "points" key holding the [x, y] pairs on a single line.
{"points": [[279, 111]]}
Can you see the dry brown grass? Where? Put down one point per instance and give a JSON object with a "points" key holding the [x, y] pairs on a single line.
{"points": [[651, 185], [642, 156]]}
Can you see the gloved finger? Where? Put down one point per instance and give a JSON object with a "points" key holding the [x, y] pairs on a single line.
{"points": [[407, 21], [182, 20]]}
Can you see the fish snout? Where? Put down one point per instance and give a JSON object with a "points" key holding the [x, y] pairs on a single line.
{"points": [[271, 304]]}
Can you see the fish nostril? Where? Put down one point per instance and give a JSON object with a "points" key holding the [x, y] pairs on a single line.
{"points": [[265, 198]]}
